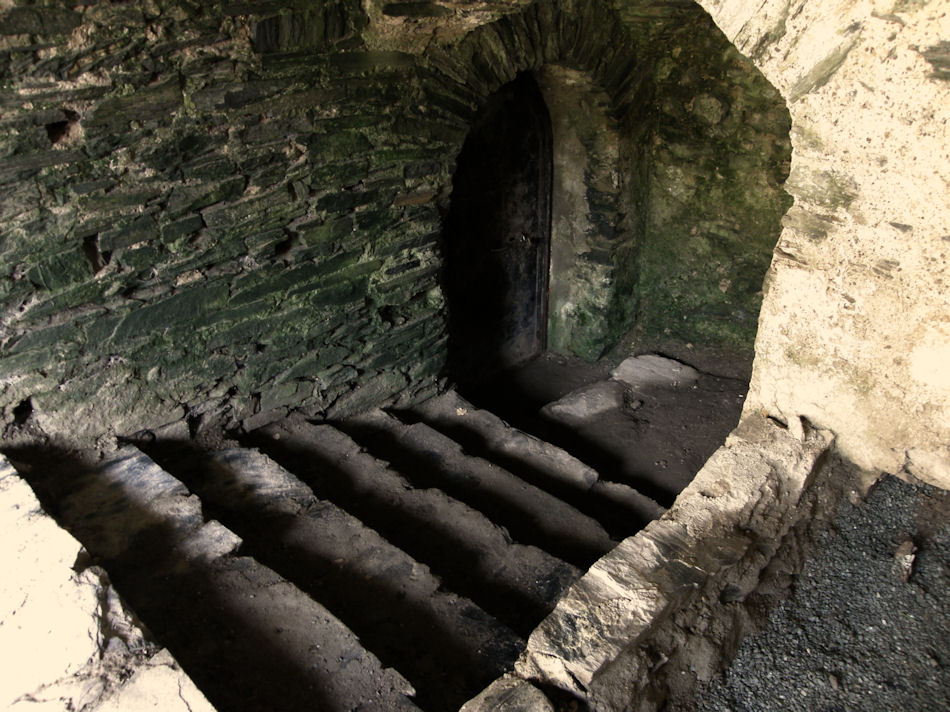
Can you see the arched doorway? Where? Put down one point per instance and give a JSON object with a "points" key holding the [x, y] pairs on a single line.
{"points": [[497, 235]]}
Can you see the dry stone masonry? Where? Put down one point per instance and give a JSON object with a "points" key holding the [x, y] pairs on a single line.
{"points": [[224, 211]]}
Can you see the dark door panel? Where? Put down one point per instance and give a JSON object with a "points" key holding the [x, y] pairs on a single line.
{"points": [[497, 235]]}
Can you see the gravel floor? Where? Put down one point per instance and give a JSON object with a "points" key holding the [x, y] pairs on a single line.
{"points": [[855, 636]]}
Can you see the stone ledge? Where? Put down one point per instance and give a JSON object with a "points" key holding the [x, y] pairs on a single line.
{"points": [[510, 694], [746, 493]]}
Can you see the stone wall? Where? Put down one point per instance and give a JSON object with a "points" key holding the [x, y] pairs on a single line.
{"points": [[719, 157], [227, 211], [854, 333], [212, 209], [852, 337], [586, 158], [670, 151], [235, 209]]}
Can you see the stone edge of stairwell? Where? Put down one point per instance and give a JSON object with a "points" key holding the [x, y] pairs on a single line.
{"points": [[747, 492], [71, 611]]}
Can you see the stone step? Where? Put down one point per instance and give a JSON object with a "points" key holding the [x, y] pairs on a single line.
{"points": [[621, 509], [61, 624], [480, 429], [443, 643], [129, 503], [471, 555], [249, 638], [532, 515]]}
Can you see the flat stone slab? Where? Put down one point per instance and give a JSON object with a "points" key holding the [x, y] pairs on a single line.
{"points": [[652, 370], [635, 373], [586, 403]]}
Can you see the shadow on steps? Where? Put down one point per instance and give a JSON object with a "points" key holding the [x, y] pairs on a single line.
{"points": [[432, 467], [619, 521], [508, 398], [448, 554], [441, 661], [238, 666]]}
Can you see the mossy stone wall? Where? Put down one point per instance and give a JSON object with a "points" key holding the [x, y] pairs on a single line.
{"points": [[229, 210], [670, 154], [720, 153], [223, 208]]}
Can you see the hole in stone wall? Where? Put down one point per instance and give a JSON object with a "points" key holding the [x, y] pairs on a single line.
{"points": [[22, 412], [283, 248], [97, 259], [194, 421], [57, 131]]}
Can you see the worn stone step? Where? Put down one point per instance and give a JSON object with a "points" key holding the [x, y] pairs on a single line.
{"points": [[445, 644], [62, 625], [250, 639], [471, 426], [129, 502], [621, 509], [515, 583], [532, 515]]}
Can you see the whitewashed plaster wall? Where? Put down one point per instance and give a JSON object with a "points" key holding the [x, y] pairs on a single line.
{"points": [[854, 333]]}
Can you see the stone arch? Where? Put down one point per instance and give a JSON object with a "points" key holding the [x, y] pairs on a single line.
{"points": [[674, 250]]}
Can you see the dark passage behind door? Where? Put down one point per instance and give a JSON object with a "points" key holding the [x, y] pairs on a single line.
{"points": [[497, 234]]}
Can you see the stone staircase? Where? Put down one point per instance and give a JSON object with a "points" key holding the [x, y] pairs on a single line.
{"points": [[389, 561]]}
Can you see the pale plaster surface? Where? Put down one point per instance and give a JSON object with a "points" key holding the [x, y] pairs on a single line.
{"points": [[854, 333], [66, 640]]}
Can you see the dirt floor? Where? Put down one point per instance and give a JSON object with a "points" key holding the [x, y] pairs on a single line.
{"points": [[654, 436], [866, 627]]}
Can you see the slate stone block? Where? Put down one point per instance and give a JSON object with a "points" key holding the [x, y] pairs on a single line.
{"points": [[415, 9], [42, 339], [140, 230], [330, 231], [48, 21], [186, 198], [155, 103], [24, 166], [334, 147], [60, 270], [178, 309], [170, 232], [356, 62]]}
